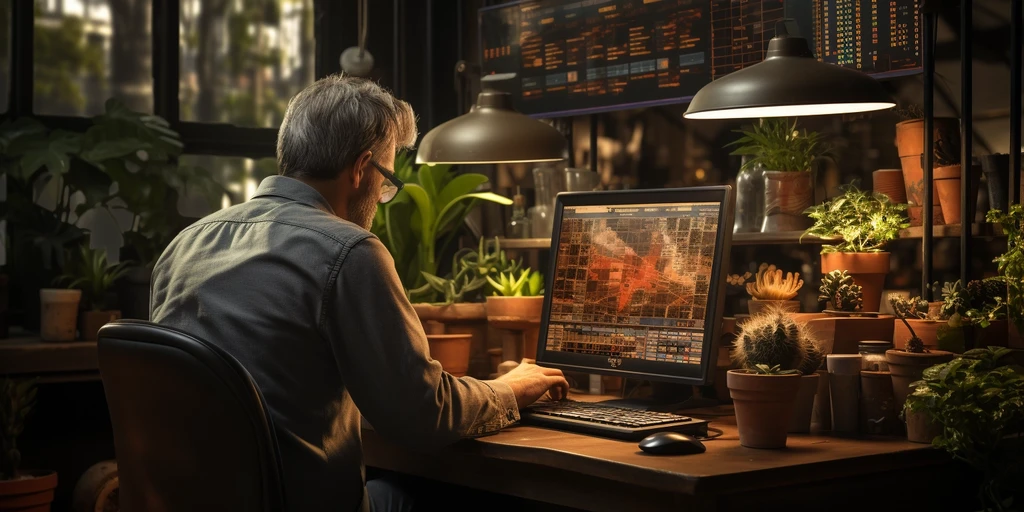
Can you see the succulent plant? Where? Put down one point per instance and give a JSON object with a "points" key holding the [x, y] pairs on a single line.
{"points": [[774, 339], [528, 284], [763, 369], [837, 288], [770, 285], [910, 308]]}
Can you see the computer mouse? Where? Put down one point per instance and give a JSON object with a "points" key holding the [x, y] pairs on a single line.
{"points": [[671, 443]]}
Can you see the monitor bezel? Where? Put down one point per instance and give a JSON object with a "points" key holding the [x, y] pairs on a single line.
{"points": [[635, 368]]}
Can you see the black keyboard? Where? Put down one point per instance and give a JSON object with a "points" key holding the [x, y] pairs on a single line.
{"points": [[608, 420]]}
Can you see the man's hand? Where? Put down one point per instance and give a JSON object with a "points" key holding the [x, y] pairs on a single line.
{"points": [[529, 382]]}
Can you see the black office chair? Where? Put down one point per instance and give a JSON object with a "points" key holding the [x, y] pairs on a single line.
{"points": [[191, 429]]}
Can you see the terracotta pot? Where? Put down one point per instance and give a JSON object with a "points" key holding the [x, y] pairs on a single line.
{"points": [[910, 145], [907, 367], [889, 182], [916, 215], [463, 318], [764, 406], [786, 196], [521, 315], [921, 428], [927, 330], [947, 185], [877, 404], [58, 313], [756, 307], [452, 351], [89, 322], [28, 494], [868, 270], [800, 421]]}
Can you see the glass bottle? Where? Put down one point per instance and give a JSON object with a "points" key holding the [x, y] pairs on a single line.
{"points": [[519, 225], [749, 200], [872, 355], [547, 182]]}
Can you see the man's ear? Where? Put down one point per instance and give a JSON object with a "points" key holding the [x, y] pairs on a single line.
{"points": [[359, 168]]}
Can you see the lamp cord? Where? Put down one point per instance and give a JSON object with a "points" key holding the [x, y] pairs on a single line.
{"points": [[363, 15]]}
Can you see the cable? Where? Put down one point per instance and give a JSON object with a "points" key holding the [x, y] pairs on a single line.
{"points": [[717, 433], [364, 22]]}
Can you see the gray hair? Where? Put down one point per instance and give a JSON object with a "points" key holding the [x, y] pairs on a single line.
{"points": [[334, 120]]}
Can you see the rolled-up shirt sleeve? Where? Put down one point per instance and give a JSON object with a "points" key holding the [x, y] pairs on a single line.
{"points": [[383, 357]]}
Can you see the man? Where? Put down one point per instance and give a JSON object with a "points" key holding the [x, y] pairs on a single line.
{"points": [[295, 287]]}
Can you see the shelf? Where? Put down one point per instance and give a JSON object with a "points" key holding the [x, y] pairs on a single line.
{"points": [[524, 243], [953, 231], [777, 238]]}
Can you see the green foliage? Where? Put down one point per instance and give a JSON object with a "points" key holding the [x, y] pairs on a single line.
{"points": [[64, 60], [864, 221], [978, 303], [16, 402], [124, 161], [91, 273], [775, 144], [1011, 262], [423, 220], [838, 289], [471, 271], [528, 284], [763, 369], [978, 401], [774, 339]]}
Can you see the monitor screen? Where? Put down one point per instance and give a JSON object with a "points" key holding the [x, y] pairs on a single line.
{"points": [[634, 284], [571, 57]]}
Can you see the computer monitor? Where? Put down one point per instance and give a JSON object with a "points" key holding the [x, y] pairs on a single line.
{"points": [[636, 283]]}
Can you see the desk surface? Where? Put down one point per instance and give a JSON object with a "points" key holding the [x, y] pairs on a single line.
{"points": [[29, 356], [605, 474]]}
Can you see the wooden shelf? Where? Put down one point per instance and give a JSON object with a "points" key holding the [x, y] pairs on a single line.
{"points": [[952, 231], [524, 243], [29, 355], [777, 238]]}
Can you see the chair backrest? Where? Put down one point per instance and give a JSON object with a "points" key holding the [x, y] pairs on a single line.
{"points": [[191, 429]]}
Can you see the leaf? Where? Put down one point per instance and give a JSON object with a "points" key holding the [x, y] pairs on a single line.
{"points": [[459, 186], [116, 148], [427, 182]]}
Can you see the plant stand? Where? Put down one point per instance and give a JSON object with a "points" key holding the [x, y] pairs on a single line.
{"points": [[519, 319]]}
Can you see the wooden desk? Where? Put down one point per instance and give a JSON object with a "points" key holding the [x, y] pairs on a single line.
{"points": [[28, 356], [603, 474]]}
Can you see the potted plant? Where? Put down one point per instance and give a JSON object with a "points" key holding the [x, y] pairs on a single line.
{"points": [[58, 313], [842, 296], [772, 351], [975, 312], [1011, 267], [515, 304], [786, 154], [20, 490], [91, 273], [946, 175], [974, 404], [910, 145], [918, 321], [863, 222], [907, 364], [771, 290]]}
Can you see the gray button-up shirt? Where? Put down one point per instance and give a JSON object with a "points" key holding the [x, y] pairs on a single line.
{"points": [[312, 307]]}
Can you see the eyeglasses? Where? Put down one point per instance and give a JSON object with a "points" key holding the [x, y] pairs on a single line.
{"points": [[389, 189]]}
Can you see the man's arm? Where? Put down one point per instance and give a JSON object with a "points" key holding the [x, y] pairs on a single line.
{"points": [[382, 354]]}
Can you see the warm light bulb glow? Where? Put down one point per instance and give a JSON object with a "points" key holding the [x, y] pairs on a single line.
{"points": [[789, 110]]}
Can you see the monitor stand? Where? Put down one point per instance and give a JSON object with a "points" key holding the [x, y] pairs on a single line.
{"points": [[666, 398]]}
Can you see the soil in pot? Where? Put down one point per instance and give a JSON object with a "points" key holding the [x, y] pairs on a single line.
{"points": [[804, 405], [756, 307], [927, 330], [32, 494], [947, 186], [868, 269], [889, 182], [764, 406], [907, 367], [89, 322], [786, 196], [452, 351], [58, 313]]}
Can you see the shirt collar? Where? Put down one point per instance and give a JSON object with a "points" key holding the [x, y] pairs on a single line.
{"points": [[293, 190]]}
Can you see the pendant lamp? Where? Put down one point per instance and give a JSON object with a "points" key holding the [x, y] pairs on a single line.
{"points": [[789, 82], [491, 132]]}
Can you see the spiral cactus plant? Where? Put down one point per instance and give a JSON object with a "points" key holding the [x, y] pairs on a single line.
{"points": [[775, 339]]}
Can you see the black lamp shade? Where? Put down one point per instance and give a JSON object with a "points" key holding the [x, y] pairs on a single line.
{"points": [[491, 132], [789, 82]]}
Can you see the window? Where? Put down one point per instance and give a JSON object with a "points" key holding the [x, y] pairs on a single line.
{"points": [[239, 176], [241, 60], [89, 50]]}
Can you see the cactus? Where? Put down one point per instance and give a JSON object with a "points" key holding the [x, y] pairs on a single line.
{"points": [[774, 339], [904, 308], [770, 285], [837, 288]]}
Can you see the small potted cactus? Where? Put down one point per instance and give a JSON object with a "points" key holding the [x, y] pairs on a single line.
{"points": [[771, 290], [908, 364], [773, 352], [842, 296]]}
